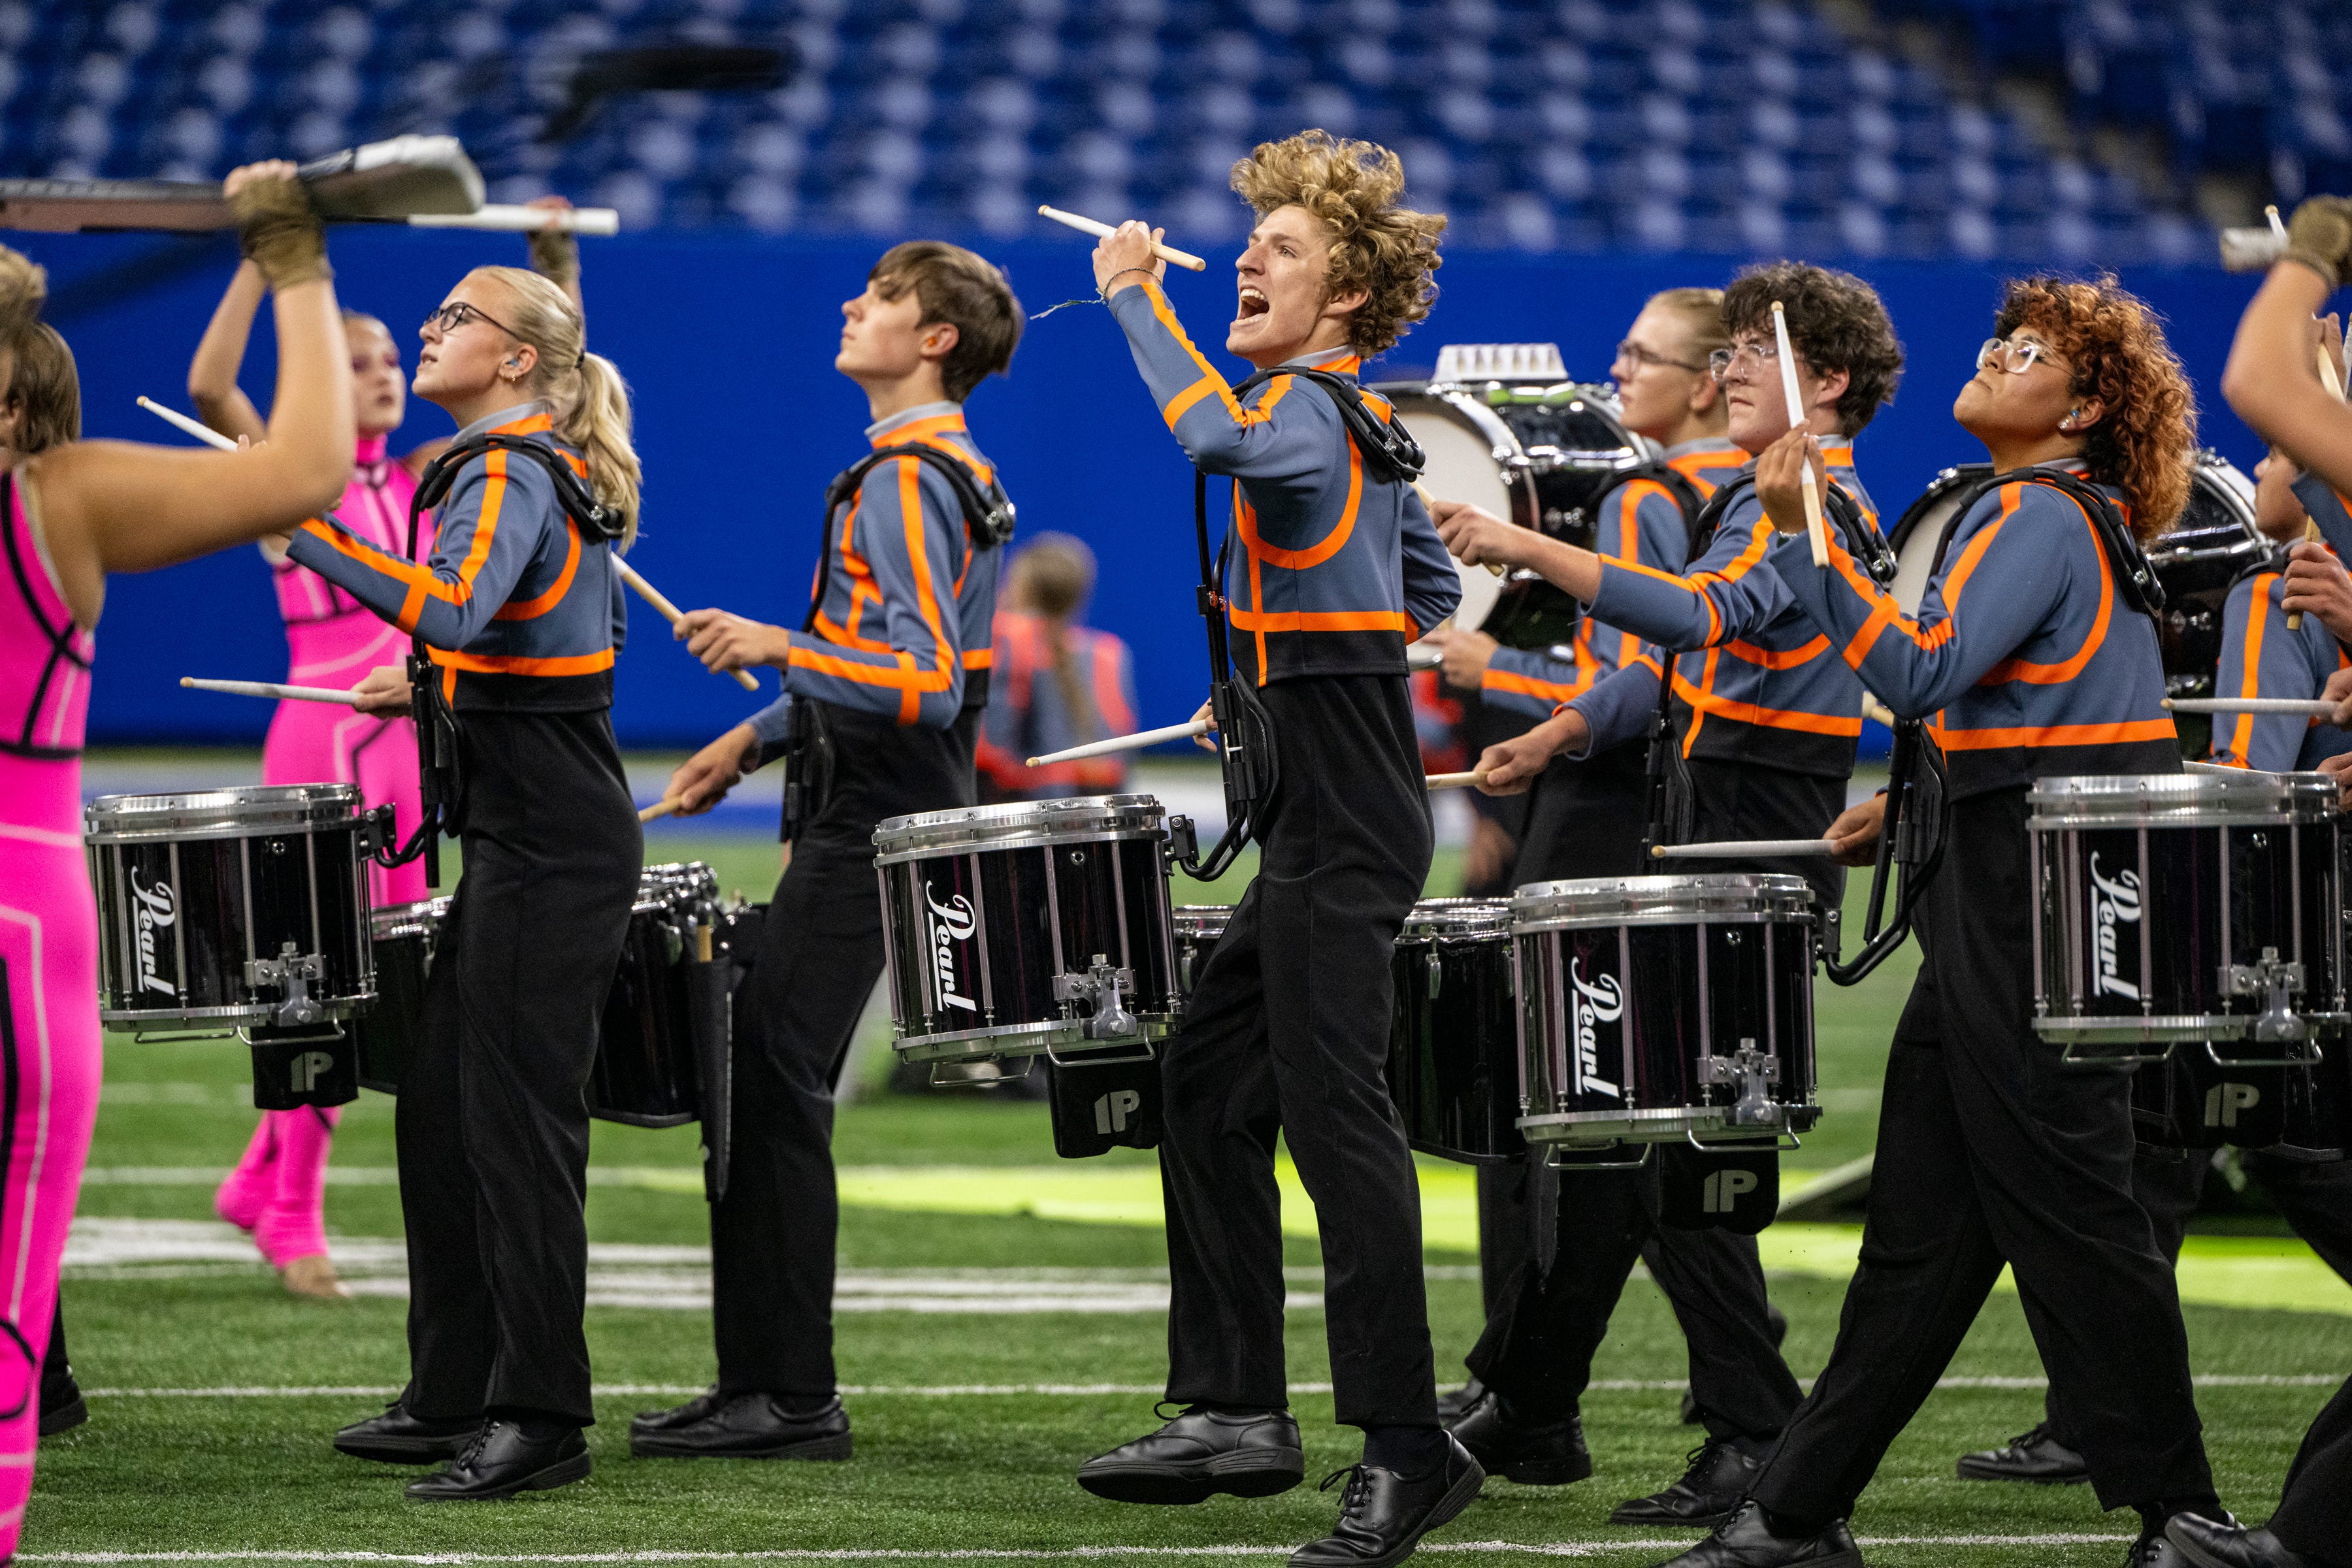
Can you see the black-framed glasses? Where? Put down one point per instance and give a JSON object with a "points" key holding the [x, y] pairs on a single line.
{"points": [[2016, 356], [1633, 353], [457, 313]]}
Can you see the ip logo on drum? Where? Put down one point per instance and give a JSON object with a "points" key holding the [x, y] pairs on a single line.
{"points": [[303, 1073], [158, 909], [2115, 903], [1722, 1190], [1112, 1111], [2225, 1099], [1598, 1001], [950, 922]]}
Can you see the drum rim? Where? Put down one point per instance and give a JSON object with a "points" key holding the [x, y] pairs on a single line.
{"points": [[1692, 1117], [1740, 897], [1034, 1039], [1177, 914], [338, 1008], [1015, 825], [2237, 798], [1441, 918], [237, 811]]}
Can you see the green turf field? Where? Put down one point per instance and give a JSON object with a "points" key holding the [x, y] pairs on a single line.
{"points": [[1000, 1321]]}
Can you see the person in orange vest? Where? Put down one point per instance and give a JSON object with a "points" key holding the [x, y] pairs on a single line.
{"points": [[1058, 684]]}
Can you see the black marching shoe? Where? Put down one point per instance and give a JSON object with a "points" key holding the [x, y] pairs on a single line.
{"points": [[62, 1407], [1199, 1454], [500, 1462], [2155, 1551], [396, 1437], [1550, 1456], [1383, 1515], [2209, 1543], [1746, 1540], [717, 1425], [2035, 1456], [1454, 1404], [1708, 1493]]}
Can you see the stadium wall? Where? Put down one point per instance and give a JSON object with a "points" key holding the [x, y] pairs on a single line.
{"points": [[729, 341]]}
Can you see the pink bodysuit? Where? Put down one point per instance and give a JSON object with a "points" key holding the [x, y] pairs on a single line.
{"points": [[278, 1190], [49, 1056]]}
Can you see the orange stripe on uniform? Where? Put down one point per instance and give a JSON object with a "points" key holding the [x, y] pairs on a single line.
{"points": [[532, 609], [2056, 735], [2242, 733]]}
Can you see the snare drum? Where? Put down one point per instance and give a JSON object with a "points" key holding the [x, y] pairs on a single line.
{"points": [[2319, 1107], [1037, 927], [1454, 1045], [1198, 927], [231, 908], [2186, 907], [1654, 1009], [389, 1031]]}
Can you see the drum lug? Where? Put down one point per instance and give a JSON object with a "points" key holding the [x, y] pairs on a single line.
{"points": [[2274, 981], [1100, 986], [1750, 1071], [291, 972], [1436, 972]]}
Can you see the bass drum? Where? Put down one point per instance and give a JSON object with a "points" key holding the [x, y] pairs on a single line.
{"points": [[2214, 543], [1538, 454]]}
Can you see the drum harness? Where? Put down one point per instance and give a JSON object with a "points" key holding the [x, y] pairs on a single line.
{"points": [[1246, 754], [808, 746]]}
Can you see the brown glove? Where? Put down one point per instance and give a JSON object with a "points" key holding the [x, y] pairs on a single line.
{"points": [[555, 256], [2320, 238], [280, 233]]}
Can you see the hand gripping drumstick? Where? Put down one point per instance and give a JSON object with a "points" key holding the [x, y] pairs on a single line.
{"points": [[2309, 708], [658, 808], [501, 219], [271, 689], [1429, 504], [1456, 781], [1743, 849], [1795, 399], [2335, 385], [669, 612], [1183, 259]]}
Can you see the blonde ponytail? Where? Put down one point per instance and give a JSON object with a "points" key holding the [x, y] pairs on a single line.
{"points": [[591, 400]]}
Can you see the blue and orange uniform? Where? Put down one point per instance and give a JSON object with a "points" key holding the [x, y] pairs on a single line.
{"points": [[520, 612], [894, 669], [2028, 662], [1332, 568], [1047, 698], [2261, 656]]}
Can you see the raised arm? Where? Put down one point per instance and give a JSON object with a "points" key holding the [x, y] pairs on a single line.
{"points": [[2260, 657], [117, 506], [2272, 380], [220, 353], [1432, 588]]}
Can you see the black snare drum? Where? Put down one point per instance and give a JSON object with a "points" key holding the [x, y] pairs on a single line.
{"points": [[1040, 927], [2186, 907], [2319, 1106], [233, 908], [1454, 1044], [649, 1067], [388, 1033], [1198, 927], [1657, 1009]]}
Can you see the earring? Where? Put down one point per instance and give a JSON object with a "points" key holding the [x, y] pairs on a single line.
{"points": [[2068, 422]]}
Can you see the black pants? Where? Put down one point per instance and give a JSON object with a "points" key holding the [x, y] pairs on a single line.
{"points": [[2315, 1199], [772, 1237], [2315, 1513], [1989, 1151], [1288, 1031], [1588, 820], [492, 1125]]}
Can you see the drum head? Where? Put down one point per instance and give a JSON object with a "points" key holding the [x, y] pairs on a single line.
{"points": [[1462, 464], [1921, 529]]}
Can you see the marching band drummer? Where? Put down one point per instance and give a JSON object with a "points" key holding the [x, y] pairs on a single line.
{"points": [[1768, 720], [1990, 1151], [1334, 568], [278, 1192], [520, 609], [69, 516], [888, 679]]}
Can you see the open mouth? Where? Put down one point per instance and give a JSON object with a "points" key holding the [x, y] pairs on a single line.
{"points": [[1252, 303]]}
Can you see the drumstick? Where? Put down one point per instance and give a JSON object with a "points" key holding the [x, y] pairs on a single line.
{"points": [[271, 689], [1429, 504], [1876, 712], [1184, 258], [658, 808], [669, 612], [1456, 781], [1794, 398], [1134, 742], [2311, 708], [1743, 849], [501, 219], [208, 436]]}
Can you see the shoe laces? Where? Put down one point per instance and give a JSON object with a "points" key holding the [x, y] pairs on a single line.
{"points": [[475, 1445], [1358, 1483], [2037, 1434]]}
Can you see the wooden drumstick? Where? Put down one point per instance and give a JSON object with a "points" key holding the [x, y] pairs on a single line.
{"points": [[669, 612], [658, 808], [1456, 781], [205, 433], [1795, 399], [1117, 743], [1183, 259], [1429, 504], [273, 689]]}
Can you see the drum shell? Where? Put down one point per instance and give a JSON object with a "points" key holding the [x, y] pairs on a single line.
{"points": [[181, 912], [1453, 1068], [2318, 1114], [978, 931], [2196, 1098], [1616, 1011], [388, 1031], [647, 1073]]}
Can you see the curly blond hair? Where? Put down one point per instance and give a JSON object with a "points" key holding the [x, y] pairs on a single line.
{"points": [[2145, 443], [1388, 251]]}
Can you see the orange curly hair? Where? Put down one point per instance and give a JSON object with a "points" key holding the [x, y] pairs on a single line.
{"points": [[2146, 444], [1387, 250]]}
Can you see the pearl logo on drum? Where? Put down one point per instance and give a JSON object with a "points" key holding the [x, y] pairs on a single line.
{"points": [[157, 910], [1598, 1001], [2115, 903], [950, 922]]}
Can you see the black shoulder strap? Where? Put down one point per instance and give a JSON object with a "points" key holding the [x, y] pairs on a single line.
{"points": [[1862, 542], [1388, 447], [988, 515], [1669, 479], [2134, 575], [572, 493]]}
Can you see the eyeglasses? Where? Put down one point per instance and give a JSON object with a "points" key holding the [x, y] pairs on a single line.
{"points": [[457, 313], [2016, 358], [1633, 353], [1749, 357]]}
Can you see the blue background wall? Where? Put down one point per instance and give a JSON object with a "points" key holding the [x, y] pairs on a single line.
{"points": [[729, 344]]}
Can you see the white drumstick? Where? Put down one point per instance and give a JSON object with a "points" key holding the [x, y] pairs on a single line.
{"points": [[1454, 781], [1117, 743], [1184, 258], [2308, 708], [205, 433], [2278, 223], [273, 691], [669, 612], [1877, 712], [1795, 399], [1419, 656], [1743, 849], [658, 808], [501, 219], [1429, 504]]}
